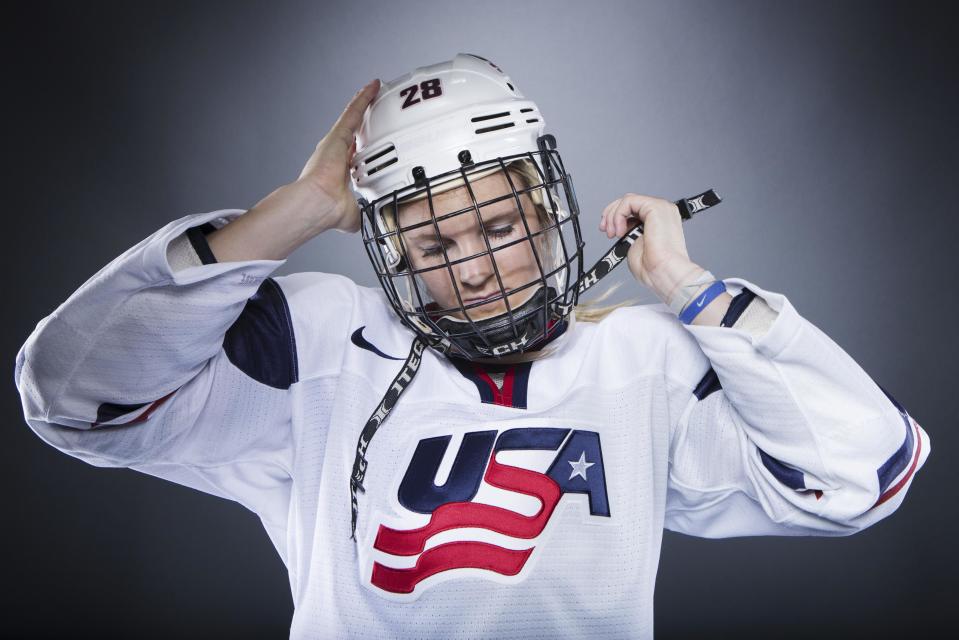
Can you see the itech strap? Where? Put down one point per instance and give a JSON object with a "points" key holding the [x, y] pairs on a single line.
{"points": [[688, 207]]}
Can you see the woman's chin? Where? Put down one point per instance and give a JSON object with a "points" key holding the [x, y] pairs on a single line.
{"points": [[483, 312], [495, 308]]}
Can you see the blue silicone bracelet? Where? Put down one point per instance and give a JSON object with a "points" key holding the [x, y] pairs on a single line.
{"points": [[695, 306]]}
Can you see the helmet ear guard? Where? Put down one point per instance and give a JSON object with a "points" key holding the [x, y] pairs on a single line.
{"points": [[395, 260]]}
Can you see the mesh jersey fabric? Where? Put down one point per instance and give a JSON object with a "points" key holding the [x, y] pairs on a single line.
{"points": [[710, 431]]}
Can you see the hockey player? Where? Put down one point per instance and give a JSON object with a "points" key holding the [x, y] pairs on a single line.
{"points": [[528, 452]]}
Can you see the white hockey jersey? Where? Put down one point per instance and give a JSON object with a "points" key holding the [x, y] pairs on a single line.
{"points": [[500, 501]]}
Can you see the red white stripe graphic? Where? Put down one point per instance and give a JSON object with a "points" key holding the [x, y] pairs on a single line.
{"points": [[462, 554]]}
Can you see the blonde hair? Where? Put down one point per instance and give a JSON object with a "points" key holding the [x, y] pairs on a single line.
{"points": [[592, 311]]}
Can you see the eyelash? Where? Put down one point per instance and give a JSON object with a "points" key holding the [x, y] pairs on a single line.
{"points": [[499, 232]]}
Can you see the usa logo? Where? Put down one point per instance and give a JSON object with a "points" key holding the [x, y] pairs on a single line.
{"points": [[483, 511]]}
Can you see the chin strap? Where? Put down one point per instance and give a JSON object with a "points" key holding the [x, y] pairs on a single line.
{"points": [[687, 208]]}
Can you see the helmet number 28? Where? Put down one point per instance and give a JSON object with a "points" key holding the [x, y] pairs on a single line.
{"points": [[428, 89]]}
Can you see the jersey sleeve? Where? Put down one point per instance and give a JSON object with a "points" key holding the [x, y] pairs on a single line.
{"points": [[778, 431], [182, 371]]}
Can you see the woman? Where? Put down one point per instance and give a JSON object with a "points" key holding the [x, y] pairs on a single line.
{"points": [[525, 460]]}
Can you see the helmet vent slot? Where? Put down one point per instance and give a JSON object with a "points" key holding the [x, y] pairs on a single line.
{"points": [[387, 160], [489, 117], [526, 110], [378, 154], [393, 160], [505, 125]]}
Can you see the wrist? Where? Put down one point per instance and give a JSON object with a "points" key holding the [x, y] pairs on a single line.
{"points": [[674, 279], [313, 207]]}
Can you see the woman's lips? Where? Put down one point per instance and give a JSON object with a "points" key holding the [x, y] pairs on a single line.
{"points": [[480, 299]]}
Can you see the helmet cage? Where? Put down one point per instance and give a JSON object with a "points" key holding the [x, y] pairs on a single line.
{"points": [[557, 248]]}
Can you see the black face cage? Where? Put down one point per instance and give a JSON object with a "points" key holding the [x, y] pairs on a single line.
{"points": [[552, 294]]}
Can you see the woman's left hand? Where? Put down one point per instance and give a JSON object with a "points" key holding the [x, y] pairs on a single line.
{"points": [[659, 254]]}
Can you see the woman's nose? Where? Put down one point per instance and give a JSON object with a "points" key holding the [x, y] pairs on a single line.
{"points": [[476, 271]]}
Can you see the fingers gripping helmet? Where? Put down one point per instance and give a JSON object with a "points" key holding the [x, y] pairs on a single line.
{"points": [[442, 151]]}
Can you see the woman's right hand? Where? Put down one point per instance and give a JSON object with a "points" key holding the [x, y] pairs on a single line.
{"points": [[319, 200], [327, 172]]}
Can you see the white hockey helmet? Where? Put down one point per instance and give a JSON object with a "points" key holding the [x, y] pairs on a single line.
{"points": [[445, 126]]}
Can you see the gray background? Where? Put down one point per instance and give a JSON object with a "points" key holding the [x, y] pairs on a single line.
{"points": [[829, 130]]}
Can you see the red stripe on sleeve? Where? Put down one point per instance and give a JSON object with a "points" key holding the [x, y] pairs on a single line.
{"points": [[893, 490]]}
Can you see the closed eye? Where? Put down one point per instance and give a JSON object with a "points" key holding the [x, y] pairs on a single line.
{"points": [[500, 232], [432, 251], [494, 233]]}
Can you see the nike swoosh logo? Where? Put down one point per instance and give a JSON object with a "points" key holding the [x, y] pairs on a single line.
{"points": [[358, 339], [701, 300]]}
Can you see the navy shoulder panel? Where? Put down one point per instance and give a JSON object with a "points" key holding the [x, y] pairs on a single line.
{"points": [[737, 306], [261, 342]]}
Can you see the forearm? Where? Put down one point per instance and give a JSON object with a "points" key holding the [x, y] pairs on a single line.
{"points": [[273, 229]]}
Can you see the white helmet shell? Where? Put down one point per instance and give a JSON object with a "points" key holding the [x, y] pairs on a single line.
{"points": [[426, 118]]}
